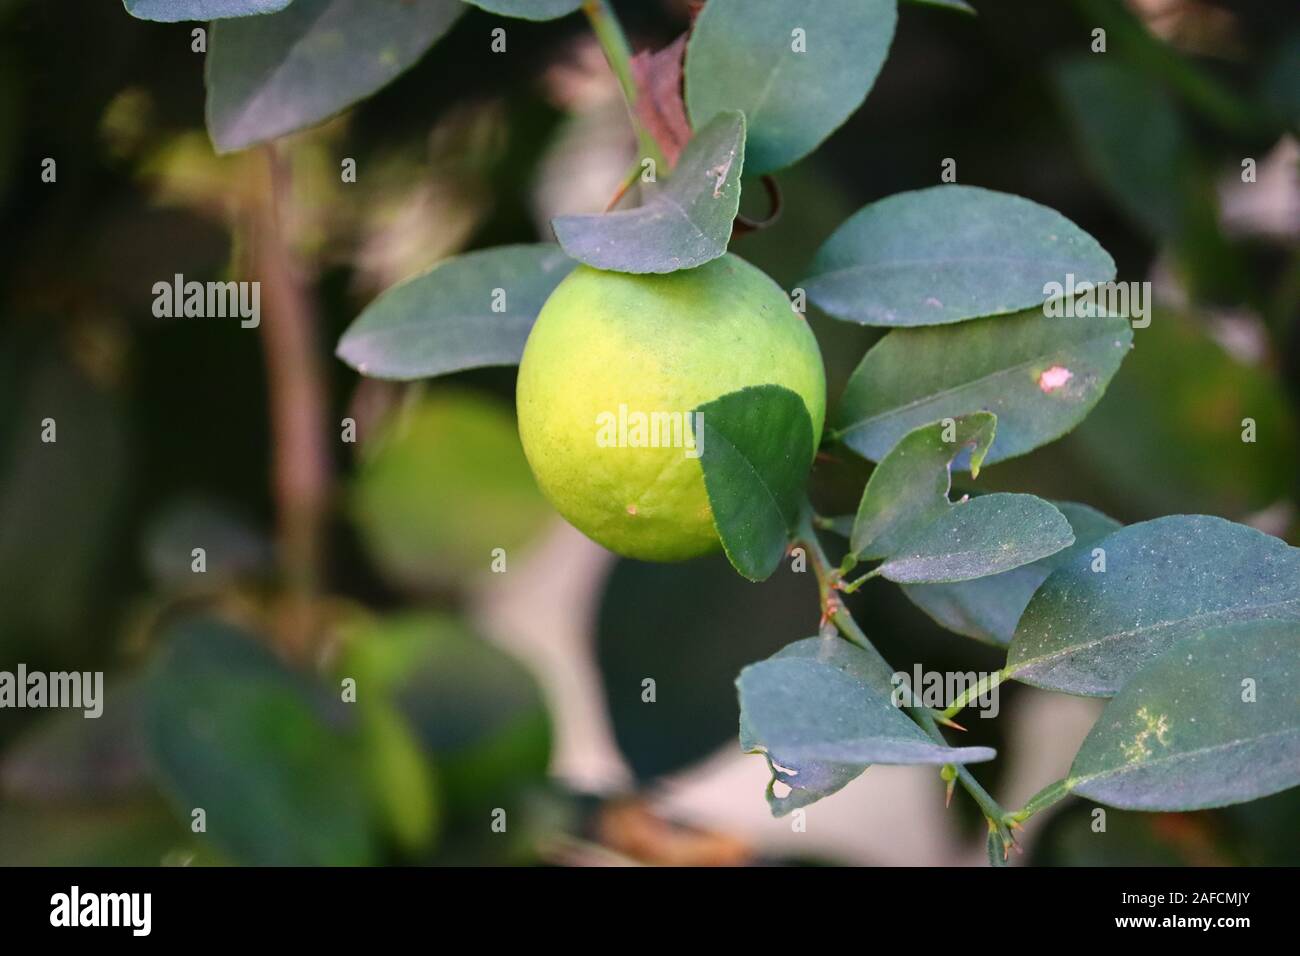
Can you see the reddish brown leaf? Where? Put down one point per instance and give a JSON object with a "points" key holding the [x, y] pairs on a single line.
{"points": [[659, 104]]}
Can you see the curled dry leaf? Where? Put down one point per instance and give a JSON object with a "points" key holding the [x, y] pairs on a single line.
{"points": [[659, 103]]}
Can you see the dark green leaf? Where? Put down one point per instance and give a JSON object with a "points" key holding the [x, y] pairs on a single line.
{"points": [[947, 254], [232, 732], [1168, 435], [980, 537], [273, 75], [171, 11], [819, 714], [641, 636], [682, 225], [1087, 632], [915, 376], [470, 311], [1213, 720], [1131, 136], [987, 609], [529, 9], [742, 56], [909, 488], [757, 446]]}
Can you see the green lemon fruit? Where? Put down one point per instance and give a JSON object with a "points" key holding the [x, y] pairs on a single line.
{"points": [[612, 370]]}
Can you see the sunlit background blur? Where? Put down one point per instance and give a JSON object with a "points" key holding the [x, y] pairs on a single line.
{"points": [[522, 691]]}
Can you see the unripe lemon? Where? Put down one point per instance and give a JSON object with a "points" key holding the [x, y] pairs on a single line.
{"points": [[614, 366]]}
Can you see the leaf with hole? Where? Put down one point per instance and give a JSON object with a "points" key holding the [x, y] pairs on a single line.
{"points": [[1039, 375], [273, 75], [820, 711], [797, 71], [909, 488], [1212, 720], [757, 447], [471, 311], [951, 253], [1088, 631], [685, 223]]}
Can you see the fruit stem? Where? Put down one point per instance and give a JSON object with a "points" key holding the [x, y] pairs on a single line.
{"points": [[612, 40]]}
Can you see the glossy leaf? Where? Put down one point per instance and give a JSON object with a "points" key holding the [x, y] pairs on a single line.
{"points": [[980, 537], [909, 488], [757, 448], [529, 9], [230, 729], [797, 71], [470, 311], [947, 254], [1039, 375], [284, 72], [684, 224], [820, 711], [1213, 720], [988, 608], [1087, 632], [172, 11]]}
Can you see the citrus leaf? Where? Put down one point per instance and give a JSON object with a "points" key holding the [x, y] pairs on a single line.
{"points": [[947, 254], [756, 447], [909, 488], [1087, 632], [795, 88], [915, 376], [231, 730], [1213, 720], [529, 9], [470, 311], [988, 608], [820, 711], [290, 70], [172, 11], [980, 537], [682, 225]]}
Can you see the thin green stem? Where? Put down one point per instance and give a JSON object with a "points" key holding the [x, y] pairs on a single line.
{"points": [[978, 689], [833, 610], [1040, 801], [613, 42], [858, 582]]}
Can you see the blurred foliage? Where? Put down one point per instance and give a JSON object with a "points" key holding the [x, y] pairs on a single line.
{"points": [[164, 432]]}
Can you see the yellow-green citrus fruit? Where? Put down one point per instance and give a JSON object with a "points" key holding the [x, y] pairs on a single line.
{"points": [[612, 370]]}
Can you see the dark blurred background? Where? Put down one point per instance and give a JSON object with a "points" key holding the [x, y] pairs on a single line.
{"points": [[521, 692]]}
